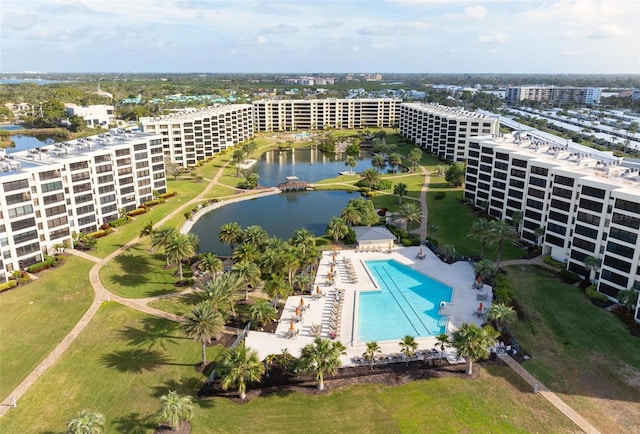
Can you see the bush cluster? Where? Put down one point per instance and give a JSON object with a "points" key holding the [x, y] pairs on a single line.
{"points": [[596, 297], [136, 212], [568, 276], [440, 195], [168, 194], [101, 233], [153, 202], [8, 285], [502, 291], [557, 264], [42, 265], [119, 222]]}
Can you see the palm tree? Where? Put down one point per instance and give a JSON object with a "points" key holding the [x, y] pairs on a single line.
{"points": [[86, 422], [351, 215], [516, 218], [175, 410], [480, 230], [246, 252], [443, 343], [400, 189], [242, 366], [181, 247], [210, 263], [501, 233], [262, 312], [271, 261], [591, 265], [238, 157], [539, 232], [256, 235], [290, 262], [351, 162], [276, 287], [202, 324], [224, 291], [449, 251], [304, 239], [502, 315], [378, 161], [147, 230], [486, 269], [160, 237], [250, 274], [370, 177], [409, 347], [370, 354], [395, 160], [337, 229], [415, 155], [473, 342], [323, 356], [410, 212], [231, 234]]}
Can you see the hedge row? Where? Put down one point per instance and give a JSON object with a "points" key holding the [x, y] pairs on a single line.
{"points": [[137, 211], [8, 285]]}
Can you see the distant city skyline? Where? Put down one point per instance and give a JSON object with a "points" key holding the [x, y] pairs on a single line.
{"points": [[384, 36]]}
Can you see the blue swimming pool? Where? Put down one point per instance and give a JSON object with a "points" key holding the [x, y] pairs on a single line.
{"points": [[407, 303]]}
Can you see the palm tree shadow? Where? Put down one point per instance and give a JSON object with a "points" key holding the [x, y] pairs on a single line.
{"points": [[134, 269], [155, 331], [188, 386], [135, 360], [133, 423]]}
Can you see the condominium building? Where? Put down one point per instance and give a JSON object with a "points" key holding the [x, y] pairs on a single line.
{"points": [[555, 95], [193, 135], [576, 202], [312, 114], [94, 115], [444, 130], [49, 193]]}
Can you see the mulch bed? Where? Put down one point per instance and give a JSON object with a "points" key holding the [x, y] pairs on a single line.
{"points": [[166, 429], [391, 374]]}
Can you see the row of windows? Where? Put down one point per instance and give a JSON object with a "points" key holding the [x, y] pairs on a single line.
{"points": [[15, 185], [623, 235], [584, 244], [614, 277], [616, 263], [588, 218], [619, 249], [17, 198], [25, 236], [626, 205], [54, 210]]}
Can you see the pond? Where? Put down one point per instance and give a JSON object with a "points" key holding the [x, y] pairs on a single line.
{"points": [[27, 142], [280, 215]]}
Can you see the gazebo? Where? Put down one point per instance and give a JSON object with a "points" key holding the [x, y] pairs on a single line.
{"points": [[373, 238]]}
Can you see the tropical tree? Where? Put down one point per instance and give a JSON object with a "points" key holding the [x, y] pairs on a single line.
{"points": [[481, 231], [485, 268], [86, 422], [271, 261], [395, 160], [337, 229], [370, 354], [246, 252], [539, 232], [238, 158], [249, 273], [202, 324], [231, 234], [181, 247], [370, 178], [147, 230], [410, 212], [449, 251], [276, 287], [455, 174], [242, 366], [415, 155], [262, 312], [628, 298], [322, 357], [378, 161], [256, 235], [473, 342], [500, 234], [160, 238], [409, 347], [223, 292], [351, 215], [210, 263], [443, 343], [304, 239], [591, 266], [502, 315], [440, 170], [400, 189], [516, 218], [175, 410], [351, 163], [290, 262]]}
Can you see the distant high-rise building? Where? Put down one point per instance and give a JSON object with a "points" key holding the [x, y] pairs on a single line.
{"points": [[555, 95]]}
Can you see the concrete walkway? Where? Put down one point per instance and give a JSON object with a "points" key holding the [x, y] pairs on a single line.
{"points": [[550, 396]]}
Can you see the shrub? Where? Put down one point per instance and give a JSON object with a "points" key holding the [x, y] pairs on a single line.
{"points": [[568, 276], [136, 212], [596, 297], [59, 260], [214, 200], [384, 184], [98, 234], [188, 215], [440, 195], [350, 238], [119, 222], [433, 241], [8, 285], [153, 202], [502, 292], [168, 194], [557, 264]]}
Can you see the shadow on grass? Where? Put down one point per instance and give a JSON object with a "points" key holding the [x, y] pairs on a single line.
{"points": [[510, 376], [184, 386], [133, 423], [135, 360], [134, 270], [154, 331]]}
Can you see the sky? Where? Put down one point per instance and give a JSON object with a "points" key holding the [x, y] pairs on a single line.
{"points": [[315, 36]]}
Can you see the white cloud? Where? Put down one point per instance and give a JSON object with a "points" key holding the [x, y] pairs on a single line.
{"points": [[475, 12], [332, 24], [281, 29], [497, 38], [262, 40]]}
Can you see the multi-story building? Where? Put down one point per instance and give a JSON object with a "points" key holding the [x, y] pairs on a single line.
{"points": [[312, 114], [575, 201], [443, 130], [49, 193], [94, 115], [194, 135], [555, 95]]}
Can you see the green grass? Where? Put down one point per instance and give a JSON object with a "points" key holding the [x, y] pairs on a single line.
{"points": [[138, 273], [124, 360], [579, 350], [179, 305], [35, 317]]}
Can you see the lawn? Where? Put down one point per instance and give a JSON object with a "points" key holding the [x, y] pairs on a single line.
{"points": [[138, 273], [579, 350], [124, 360], [35, 317]]}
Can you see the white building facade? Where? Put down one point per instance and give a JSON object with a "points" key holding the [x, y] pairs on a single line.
{"points": [[555, 95], [73, 187], [444, 130], [317, 114], [197, 134], [94, 115], [576, 203]]}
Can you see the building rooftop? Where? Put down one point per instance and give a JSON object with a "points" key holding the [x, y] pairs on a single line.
{"points": [[188, 114], [449, 111]]}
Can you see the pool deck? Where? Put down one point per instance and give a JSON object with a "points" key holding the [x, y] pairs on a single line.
{"points": [[459, 276]]}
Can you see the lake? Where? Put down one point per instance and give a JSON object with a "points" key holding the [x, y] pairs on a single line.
{"points": [[27, 142], [280, 215]]}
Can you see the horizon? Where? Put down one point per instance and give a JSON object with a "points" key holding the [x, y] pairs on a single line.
{"points": [[588, 37]]}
